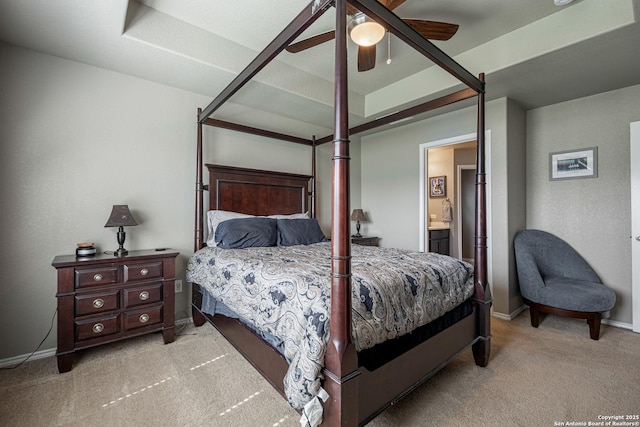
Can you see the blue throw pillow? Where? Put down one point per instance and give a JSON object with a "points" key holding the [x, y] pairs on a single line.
{"points": [[242, 233], [299, 232]]}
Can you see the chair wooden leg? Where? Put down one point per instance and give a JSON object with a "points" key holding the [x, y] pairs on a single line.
{"points": [[593, 319], [594, 326]]}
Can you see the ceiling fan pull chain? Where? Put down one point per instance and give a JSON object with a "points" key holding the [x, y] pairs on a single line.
{"points": [[388, 47]]}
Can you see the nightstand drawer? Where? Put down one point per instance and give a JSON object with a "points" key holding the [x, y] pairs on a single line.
{"points": [[96, 276], [147, 270], [143, 317], [97, 327], [142, 295], [365, 241], [96, 303]]}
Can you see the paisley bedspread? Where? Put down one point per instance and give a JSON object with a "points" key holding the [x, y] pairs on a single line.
{"points": [[285, 291]]}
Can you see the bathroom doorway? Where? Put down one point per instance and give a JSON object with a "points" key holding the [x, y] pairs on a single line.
{"points": [[427, 205], [444, 161]]}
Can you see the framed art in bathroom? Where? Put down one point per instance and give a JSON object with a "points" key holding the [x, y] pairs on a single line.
{"points": [[438, 186]]}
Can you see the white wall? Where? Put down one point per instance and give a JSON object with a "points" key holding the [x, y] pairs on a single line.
{"points": [[76, 140], [593, 215]]}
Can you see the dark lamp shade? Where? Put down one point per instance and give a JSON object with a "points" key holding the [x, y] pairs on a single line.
{"points": [[358, 215], [121, 216]]}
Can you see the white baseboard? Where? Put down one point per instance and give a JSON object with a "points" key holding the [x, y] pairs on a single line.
{"points": [[13, 361], [185, 321], [617, 324], [510, 316]]}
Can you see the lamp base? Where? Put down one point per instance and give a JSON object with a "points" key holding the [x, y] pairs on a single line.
{"points": [[357, 230], [120, 252]]}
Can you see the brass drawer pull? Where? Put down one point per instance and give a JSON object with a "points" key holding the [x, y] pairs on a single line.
{"points": [[144, 271], [144, 295], [98, 303], [97, 277], [144, 318], [98, 327]]}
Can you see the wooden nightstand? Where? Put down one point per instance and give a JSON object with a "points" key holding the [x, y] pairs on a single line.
{"points": [[104, 298], [365, 241]]}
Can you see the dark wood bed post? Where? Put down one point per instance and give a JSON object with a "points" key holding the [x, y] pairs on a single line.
{"points": [[341, 362], [199, 237], [482, 294], [313, 174], [198, 241]]}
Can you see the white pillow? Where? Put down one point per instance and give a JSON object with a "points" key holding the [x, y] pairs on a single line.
{"points": [[215, 217], [292, 216]]}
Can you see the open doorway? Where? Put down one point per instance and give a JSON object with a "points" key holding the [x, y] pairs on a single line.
{"points": [[451, 213], [465, 158]]}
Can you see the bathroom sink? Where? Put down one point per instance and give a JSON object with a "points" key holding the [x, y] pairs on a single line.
{"points": [[435, 225]]}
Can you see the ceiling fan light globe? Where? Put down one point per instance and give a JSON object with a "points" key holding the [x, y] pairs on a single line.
{"points": [[364, 31], [367, 34]]}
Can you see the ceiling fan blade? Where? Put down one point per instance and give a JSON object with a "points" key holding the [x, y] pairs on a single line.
{"points": [[366, 57], [433, 30], [351, 10], [311, 42], [391, 4]]}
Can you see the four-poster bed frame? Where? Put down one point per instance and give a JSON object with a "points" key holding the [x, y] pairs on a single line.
{"points": [[356, 394]]}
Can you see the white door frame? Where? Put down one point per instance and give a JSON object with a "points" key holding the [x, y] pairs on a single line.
{"points": [[459, 204], [424, 200], [635, 224]]}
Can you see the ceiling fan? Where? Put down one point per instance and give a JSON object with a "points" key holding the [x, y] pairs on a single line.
{"points": [[366, 33]]}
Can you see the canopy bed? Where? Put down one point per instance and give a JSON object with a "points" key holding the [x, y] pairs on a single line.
{"points": [[357, 374]]}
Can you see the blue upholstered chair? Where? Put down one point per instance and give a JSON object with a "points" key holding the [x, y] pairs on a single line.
{"points": [[555, 279]]}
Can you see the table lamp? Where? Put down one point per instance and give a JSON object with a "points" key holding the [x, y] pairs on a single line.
{"points": [[121, 217], [358, 215]]}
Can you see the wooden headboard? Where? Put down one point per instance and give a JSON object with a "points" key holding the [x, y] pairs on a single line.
{"points": [[257, 192]]}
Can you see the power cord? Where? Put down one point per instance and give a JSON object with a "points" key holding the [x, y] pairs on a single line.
{"points": [[37, 348], [184, 325]]}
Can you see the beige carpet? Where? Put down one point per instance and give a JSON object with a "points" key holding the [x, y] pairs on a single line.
{"points": [[536, 377]]}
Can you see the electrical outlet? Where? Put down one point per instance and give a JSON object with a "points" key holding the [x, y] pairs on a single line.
{"points": [[178, 286]]}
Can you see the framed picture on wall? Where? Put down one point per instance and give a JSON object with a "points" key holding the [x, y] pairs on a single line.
{"points": [[573, 164], [438, 186]]}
